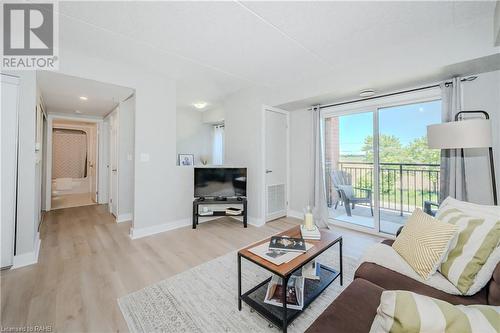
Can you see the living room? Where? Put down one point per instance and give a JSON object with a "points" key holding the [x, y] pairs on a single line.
{"points": [[322, 109]]}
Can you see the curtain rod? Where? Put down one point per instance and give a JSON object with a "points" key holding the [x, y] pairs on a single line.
{"points": [[446, 83]]}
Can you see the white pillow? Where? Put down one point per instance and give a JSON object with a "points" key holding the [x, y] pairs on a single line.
{"points": [[470, 208]]}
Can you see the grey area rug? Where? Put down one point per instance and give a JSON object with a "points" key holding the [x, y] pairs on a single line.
{"points": [[204, 299]]}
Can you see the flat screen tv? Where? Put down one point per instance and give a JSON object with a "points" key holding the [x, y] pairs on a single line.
{"points": [[220, 182]]}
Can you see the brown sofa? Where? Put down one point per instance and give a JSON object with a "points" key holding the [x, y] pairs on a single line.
{"points": [[355, 308]]}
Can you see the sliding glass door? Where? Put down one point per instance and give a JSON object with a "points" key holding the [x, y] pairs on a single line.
{"points": [[408, 169], [349, 171], [378, 168]]}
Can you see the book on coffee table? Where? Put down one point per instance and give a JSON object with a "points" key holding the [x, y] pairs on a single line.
{"points": [[294, 292], [276, 257], [288, 244]]}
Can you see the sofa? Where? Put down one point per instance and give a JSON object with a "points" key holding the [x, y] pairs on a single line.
{"points": [[355, 308]]}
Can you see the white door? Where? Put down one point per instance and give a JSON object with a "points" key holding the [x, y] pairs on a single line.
{"points": [[8, 121], [276, 160], [113, 163]]}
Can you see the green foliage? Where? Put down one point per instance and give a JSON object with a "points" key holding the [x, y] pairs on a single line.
{"points": [[392, 151]]}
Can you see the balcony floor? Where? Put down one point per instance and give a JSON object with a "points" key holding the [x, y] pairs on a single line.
{"points": [[390, 220]]}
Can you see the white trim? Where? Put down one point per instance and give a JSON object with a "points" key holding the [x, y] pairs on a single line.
{"points": [[266, 108], [295, 214], [28, 258], [156, 229], [256, 222], [124, 218]]}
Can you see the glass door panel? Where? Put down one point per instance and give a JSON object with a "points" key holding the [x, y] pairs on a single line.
{"points": [[349, 168], [408, 169]]}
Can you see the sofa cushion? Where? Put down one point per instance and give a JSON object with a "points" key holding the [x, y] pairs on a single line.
{"points": [[387, 257], [494, 287], [477, 240], [405, 311], [470, 208], [352, 311], [391, 280], [424, 242]]}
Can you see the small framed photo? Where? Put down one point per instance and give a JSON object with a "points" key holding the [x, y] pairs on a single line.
{"points": [[186, 159]]}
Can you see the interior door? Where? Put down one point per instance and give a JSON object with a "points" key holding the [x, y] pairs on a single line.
{"points": [[276, 155], [8, 120], [113, 159]]}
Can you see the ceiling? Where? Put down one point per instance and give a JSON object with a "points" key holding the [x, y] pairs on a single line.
{"points": [[303, 49], [61, 94]]}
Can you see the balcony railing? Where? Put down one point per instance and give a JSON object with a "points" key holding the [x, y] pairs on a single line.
{"points": [[402, 186]]}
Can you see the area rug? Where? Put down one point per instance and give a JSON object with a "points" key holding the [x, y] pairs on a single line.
{"points": [[204, 299]]}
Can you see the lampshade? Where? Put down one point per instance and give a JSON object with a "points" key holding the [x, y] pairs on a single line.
{"points": [[472, 133]]}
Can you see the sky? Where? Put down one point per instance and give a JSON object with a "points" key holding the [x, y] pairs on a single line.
{"points": [[407, 122]]}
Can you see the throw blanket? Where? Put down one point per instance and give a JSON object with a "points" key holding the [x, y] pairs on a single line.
{"points": [[387, 257]]}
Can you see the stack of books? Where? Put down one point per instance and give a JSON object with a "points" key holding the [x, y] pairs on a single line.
{"points": [[294, 292], [287, 244], [281, 249], [233, 211], [313, 234]]}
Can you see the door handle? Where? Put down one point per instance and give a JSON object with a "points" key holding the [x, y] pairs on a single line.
{"points": [[269, 171], [114, 170]]}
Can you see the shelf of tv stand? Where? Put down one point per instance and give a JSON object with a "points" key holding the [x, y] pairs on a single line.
{"points": [[231, 201]]}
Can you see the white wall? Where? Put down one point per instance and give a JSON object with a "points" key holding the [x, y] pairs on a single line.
{"points": [[213, 116], [483, 94], [300, 159], [193, 135], [126, 158]]}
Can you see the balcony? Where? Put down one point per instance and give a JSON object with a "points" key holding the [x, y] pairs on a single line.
{"points": [[402, 188]]}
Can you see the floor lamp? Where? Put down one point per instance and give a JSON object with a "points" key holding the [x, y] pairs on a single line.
{"points": [[460, 134]]}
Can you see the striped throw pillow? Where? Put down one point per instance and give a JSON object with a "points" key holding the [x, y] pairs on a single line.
{"points": [[405, 311], [423, 242], [478, 237]]}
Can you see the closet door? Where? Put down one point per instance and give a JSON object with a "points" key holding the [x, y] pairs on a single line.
{"points": [[9, 167]]}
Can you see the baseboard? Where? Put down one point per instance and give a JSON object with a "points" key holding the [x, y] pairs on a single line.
{"points": [[29, 258], [156, 229], [124, 218], [295, 213], [256, 222]]}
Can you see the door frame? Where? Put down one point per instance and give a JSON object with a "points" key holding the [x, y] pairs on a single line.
{"points": [[111, 117], [48, 171], [266, 108], [374, 105]]}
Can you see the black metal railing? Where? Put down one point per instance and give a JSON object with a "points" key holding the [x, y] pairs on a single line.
{"points": [[402, 186]]}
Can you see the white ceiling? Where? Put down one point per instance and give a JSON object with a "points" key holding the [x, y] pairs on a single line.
{"points": [[61, 94], [308, 48]]}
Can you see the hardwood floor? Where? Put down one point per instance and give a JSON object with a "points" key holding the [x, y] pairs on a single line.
{"points": [[87, 261]]}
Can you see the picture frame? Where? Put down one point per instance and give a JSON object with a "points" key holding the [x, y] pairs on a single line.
{"points": [[185, 159]]}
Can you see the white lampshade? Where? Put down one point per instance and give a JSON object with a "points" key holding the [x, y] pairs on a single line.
{"points": [[472, 133]]}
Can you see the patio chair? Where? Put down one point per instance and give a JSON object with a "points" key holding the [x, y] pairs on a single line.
{"points": [[342, 183]]}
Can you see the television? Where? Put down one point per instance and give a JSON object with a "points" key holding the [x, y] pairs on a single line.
{"points": [[220, 182]]}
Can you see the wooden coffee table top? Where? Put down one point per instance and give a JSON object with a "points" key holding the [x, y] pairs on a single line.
{"points": [[328, 238]]}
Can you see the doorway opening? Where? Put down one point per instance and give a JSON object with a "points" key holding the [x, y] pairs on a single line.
{"points": [[74, 161]]}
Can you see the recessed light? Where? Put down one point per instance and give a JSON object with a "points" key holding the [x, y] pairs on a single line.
{"points": [[83, 98], [367, 93], [200, 105], [78, 111]]}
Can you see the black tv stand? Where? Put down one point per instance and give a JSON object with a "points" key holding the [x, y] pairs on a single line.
{"points": [[204, 201]]}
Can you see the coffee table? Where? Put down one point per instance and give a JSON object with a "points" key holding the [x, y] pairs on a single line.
{"points": [[281, 316]]}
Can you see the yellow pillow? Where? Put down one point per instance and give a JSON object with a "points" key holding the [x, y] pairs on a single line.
{"points": [[424, 242]]}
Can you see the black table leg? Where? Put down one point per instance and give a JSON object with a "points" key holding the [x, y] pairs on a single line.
{"points": [[341, 264], [245, 213], [195, 206], [239, 282], [283, 299]]}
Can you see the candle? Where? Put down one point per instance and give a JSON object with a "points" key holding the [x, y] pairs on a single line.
{"points": [[309, 221]]}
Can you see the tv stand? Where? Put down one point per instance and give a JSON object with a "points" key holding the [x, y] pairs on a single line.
{"points": [[205, 201]]}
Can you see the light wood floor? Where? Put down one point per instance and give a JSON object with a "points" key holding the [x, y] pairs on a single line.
{"points": [[87, 261], [71, 200]]}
